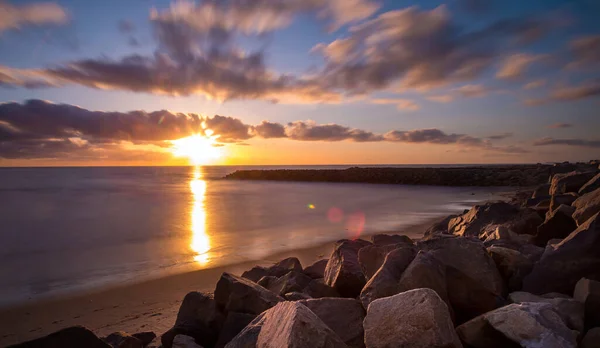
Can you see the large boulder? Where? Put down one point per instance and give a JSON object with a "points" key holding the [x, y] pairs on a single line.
{"points": [[591, 339], [317, 269], [241, 295], [416, 318], [512, 264], [317, 289], [343, 271], [122, 339], [591, 185], [296, 296], [391, 239], [529, 325], [574, 258], [570, 310], [541, 191], [343, 315], [76, 336], [277, 270], [566, 199], [586, 206], [184, 341], [587, 291], [569, 182], [292, 281], [559, 224], [232, 326], [385, 282], [371, 258], [425, 271], [439, 227], [287, 325], [146, 337]]}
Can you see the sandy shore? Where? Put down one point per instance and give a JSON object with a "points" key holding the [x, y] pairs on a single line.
{"points": [[147, 306]]}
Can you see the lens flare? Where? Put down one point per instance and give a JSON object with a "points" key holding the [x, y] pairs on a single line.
{"points": [[198, 148]]}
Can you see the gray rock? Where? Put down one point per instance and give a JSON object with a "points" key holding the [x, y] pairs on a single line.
{"points": [[342, 315], [425, 271], [591, 185], [569, 182], [587, 291], [241, 295], [541, 191], [277, 270], [198, 317], [183, 341], [529, 325], [317, 289], [296, 296], [513, 265], [122, 339], [439, 227], [591, 339], [566, 199], [586, 206], [343, 271], [386, 281], [266, 281], [416, 318], [503, 233], [287, 325], [559, 224], [570, 310], [232, 326], [75, 336], [574, 258], [391, 239], [371, 258], [292, 281], [317, 269]]}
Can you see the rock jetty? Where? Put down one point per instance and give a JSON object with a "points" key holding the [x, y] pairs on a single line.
{"points": [[499, 275]]}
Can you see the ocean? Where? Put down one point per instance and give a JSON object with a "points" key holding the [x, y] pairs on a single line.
{"points": [[64, 230]]}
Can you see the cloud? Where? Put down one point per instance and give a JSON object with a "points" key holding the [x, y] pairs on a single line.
{"points": [[567, 142], [40, 13], [569, 93], [514, 66], [560, 125], [535, 84], [311, 131], [401, 104], [472, 91], [126, 26], [585, 51], [228, 128], [500, 136], [441, 98], [268, 130]]}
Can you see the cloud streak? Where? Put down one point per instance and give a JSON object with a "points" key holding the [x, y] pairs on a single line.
{"points": [[40, 13], [568, 142]]}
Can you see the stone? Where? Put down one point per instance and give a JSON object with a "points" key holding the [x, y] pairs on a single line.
{"points": [[391, 239], [587, 291], [277, 270], [529, 325], [586, 206], [241, 295], [559, 224], [371, 258], [566, 199], [256, 273], [416, 318], [343, 271], [439, 227], [156, 343], [198, 317], [234, 324], [146, 337], [503, 233], [425, 271], [122, 339], [292, 281], [591, 185], [570, 310], [75, 336], [541, 191], [342, 315], [317, 269], [591, 339], [574, 258], [317, 289], [289, 264], [513, 266], [266, 281], [296, 296], [385, 282], [532, 252], [569, 182], [183, 341], [287, 325]]}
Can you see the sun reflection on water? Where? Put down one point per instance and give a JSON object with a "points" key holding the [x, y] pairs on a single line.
{"points": [[200, 243]]}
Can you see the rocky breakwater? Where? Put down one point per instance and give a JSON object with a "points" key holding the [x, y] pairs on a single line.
{"points": [[497, 175], [499, 275]]}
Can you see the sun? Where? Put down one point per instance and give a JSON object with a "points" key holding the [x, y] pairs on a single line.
{"points": [[198, 148]]}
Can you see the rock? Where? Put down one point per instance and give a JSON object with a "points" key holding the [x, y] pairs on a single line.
{"points": [[256, 273], [233, 325], [317, 269], [566, 199], [570, 310], [532, 252], [586, 206], [440, 227], [296, 296], [474, 284], [75, 336], [513, 266], [591, 339], [287, 325], [541, 191], [425, 271], [574, 258], [503, 233], [146, 337], [386, 281], [587, 291], [198, 317], [371, 258], [317, 289], [292, 281], [416, 318], [569, 182], [591, 185], [289, 264], [342, 315], [387, 239], [266, 281], [343, 271], [156, 343], [183, 341], [559, 224], [122, 339], [277, 270], [529, 325], [241, 295]]}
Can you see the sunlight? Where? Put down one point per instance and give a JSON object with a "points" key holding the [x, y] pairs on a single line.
{"points": [[198, 148], [200, 243]]}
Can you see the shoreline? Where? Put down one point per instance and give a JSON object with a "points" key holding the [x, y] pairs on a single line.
{"points": [[147, 305]]}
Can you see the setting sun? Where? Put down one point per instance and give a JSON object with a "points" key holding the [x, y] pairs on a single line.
{"points": [[200, 149]]}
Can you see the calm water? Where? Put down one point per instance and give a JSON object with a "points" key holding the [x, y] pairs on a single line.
{"points": [[66, 229]]}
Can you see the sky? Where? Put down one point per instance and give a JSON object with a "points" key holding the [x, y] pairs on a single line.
{"points": [[299, 81]]}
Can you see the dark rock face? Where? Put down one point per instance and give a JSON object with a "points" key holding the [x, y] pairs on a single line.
{"points": [[371, 258], [440, 227], [76, 336], [513, 266], [342, 315], [266, 281], [232, 326], [296, 296], [591, 185], [586, 206], [425, 271], [235, 294], [317, 269], [587, 291], [387, 239], [385, 282], [277, 270], [574, 258], [343, 271], [569, 182], [541, 191], [570, 310], [591, 339], [287, 325], [123, 340], [559, 224], [317, 289], [566, 199], [146, 337], [292, 281]]}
